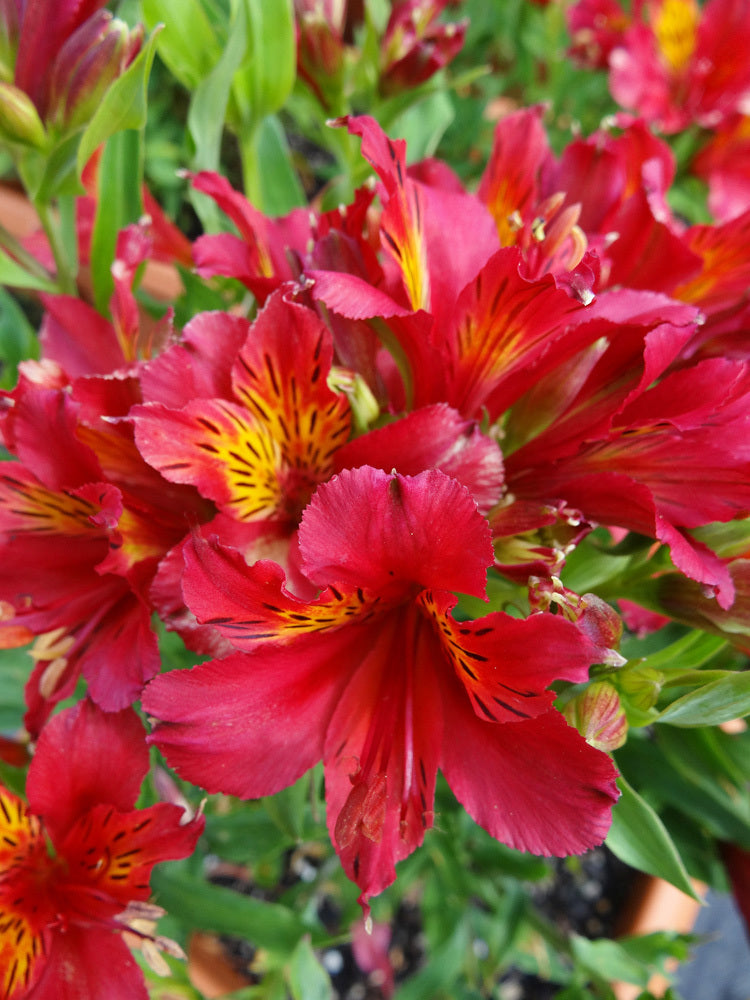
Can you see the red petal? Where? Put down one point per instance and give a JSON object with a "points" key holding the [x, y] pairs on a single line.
{"points": [[435, 437], [79, 338], [250, 605], [381, 752], [507, 663], [370, 529], [510, 182], [535, 785], [109, 855], [267, 717], [105, 757], [199, 367], [86, 962], [438, 239]]}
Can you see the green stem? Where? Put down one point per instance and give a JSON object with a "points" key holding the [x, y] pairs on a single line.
{"points": [[9, 243], [65, 273]]}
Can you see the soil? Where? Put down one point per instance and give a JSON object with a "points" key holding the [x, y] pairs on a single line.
{"points": [[587, 897]]}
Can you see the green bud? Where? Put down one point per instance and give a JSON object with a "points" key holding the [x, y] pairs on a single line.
{"points": [[641, 686], [19, 120], [598, 716]]}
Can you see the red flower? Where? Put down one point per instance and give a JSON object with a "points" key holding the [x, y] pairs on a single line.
{"points": [[376, 677], [416, 45], [84, 522], [482, 336], [596, 27], [62, 912], [686, 64]]}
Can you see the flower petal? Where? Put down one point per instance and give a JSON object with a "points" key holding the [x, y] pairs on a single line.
{"points": [[535, 785], [106, 759], [88, 962], [434, 437], [109, 854], [385, 532], [249, 725], [381, 752], [507, 663]]}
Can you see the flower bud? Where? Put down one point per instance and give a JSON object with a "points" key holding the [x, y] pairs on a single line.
{"points": [[9, 31], [320, 44], [87, 65], [593, 616], [19, 120], [641, 686], [598, 716]]}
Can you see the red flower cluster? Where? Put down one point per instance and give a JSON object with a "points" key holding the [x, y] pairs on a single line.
{"points": [[437, 384]]}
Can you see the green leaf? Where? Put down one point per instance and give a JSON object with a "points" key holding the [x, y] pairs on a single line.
{"points": [[424, 124], [209, 103], [18, 339], [200, 904], [271, 182], [266, 77], [308, 980], [15, 667], [639, 838], [687, 653], [184, 22], [608, 960], [118, 204], [123, 106], [13, 274], [725, 698]]}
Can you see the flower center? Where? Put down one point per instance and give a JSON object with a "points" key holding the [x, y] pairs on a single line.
{"points": [[675, 30]]}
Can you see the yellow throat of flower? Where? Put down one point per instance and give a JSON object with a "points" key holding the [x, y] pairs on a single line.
{"points": [[675, 28]]}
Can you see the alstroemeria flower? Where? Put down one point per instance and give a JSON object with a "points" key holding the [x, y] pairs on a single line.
{"points": [[416, 45], [596, 28], [686, 64], [259, 451], [376, 677], [63, 910], [84, 522]]}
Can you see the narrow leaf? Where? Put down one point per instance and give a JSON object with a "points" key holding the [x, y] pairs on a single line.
{"points": [[308, 980], [18, 341], [639, 838], [118, 204], [13, 274], [184, 21], [210, 907], [266, 76], [271, 182], [719, 701]]}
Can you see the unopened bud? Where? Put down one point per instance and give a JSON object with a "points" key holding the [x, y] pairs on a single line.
{"points": [[19, 120], [87, 65], [9, 32], [364, 406], [641, 686], [598, 716]]}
